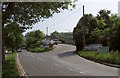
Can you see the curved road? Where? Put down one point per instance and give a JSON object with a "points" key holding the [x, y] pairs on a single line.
{"points": [[62, 61]]}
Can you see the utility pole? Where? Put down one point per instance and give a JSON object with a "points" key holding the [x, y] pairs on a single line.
{"points": [[47, 31], [83, 29]]}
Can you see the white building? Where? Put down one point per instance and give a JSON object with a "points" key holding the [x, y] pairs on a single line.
{"points": [[119, 8]]}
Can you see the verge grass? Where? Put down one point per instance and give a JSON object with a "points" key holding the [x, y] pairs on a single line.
{"points": [[9, 68], [108, 57]]}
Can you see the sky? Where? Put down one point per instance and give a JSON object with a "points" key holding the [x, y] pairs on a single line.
{"points": [[67, 19]]}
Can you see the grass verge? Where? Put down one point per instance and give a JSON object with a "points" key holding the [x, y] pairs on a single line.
{"points": [[9, 68], [108, 57], [39, 49]]}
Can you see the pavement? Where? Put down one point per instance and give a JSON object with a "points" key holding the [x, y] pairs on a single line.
{"points": [[62, 61]]}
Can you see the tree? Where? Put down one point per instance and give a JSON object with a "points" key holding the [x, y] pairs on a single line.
{"points": [[30, 13], [89, 25], [27, 14], [13, 36], [34, 38], [55, 35], [107, 31], [64, 37], [115, 33], [77, 36], [104, 25]]}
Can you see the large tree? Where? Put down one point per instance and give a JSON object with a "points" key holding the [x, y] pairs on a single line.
{"points": [[13, 36], [25, 14], [55, 35], [34, 38], [89, 23], [64, 37]]}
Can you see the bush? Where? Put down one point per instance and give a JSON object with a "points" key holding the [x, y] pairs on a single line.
{"points": [[112, 58], [39, 49], [10, 67]]}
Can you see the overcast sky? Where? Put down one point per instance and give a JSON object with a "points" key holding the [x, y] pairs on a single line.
{"points": [[67, 20]]}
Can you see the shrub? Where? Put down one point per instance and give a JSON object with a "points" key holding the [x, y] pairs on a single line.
{"points": [[10, 67], [39, 49], [112, 58]]}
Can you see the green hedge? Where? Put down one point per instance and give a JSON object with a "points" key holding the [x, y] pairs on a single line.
{"points": [[39, 49], [107, 57], [9, 68]]}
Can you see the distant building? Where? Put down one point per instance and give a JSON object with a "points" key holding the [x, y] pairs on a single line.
{"points": [[119, 8]]}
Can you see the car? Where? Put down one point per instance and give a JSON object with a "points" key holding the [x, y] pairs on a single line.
{"points": [[19, 50], [56, 41], [7, 52]]}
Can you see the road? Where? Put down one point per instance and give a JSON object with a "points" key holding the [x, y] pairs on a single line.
{"points": [[62, 61]]}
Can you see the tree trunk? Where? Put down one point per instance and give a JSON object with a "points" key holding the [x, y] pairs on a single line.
{"points": [[3, 55], [1, 38]]}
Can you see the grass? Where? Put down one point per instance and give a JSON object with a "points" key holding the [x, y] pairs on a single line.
{"points": [[10, 67], [108, 57], [39, 49]]}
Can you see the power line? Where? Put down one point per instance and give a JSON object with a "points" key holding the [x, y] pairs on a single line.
{"points": [[67, 16]]}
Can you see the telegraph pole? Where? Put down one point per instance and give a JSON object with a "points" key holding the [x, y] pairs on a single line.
{"points": [[83, 29], [47, 31]]}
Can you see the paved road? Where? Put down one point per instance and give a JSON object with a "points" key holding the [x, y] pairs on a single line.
{"points": [[62, 61]]}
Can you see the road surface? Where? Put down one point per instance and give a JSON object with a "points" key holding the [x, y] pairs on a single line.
{"points": [[62, 61]]}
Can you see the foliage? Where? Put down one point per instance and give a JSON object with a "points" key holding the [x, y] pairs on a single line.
{"points": [[9, 67], [77, 35], [39, 49], [13, 36], [89, 22], [55, 35], [112, 58], [34, 38], [64, 37], [102, 29], [27, 13]]}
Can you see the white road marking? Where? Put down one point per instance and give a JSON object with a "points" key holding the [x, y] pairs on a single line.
{"points": [[56, 64], [38, 58], [32, 56], [82, 72], [20, 68], [61, 52], [33, 53], [41, 59], [69, 68]]}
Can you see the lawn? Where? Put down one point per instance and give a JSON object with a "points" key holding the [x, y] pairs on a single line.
{"points": [[107, 57], [9, 68]]}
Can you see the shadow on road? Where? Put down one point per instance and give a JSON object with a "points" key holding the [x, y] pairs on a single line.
{"points": [[67, 54]]}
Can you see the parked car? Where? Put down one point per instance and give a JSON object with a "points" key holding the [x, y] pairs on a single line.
{"points": [[47, 43], [19, 50], [56, 41], [7, 52]]}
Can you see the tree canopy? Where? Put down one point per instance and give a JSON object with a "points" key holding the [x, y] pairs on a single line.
{"points": [[34, 38], [89, 22], [27, 13], [13, 36], [102, 29], [64, 37]]}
